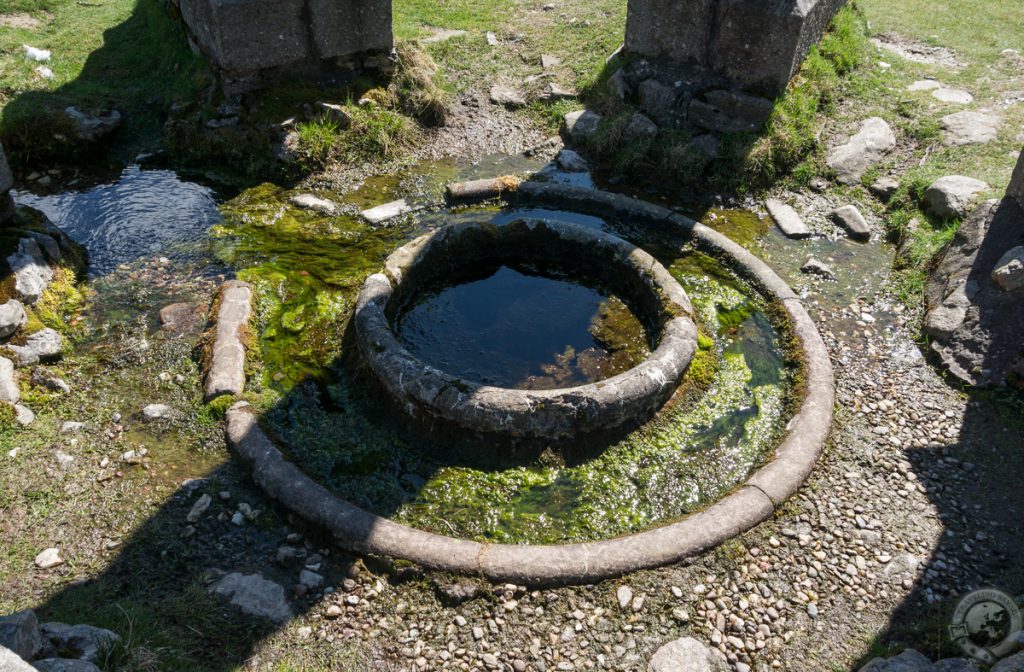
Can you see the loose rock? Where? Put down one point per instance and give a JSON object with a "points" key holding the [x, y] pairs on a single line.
{"points": [[9, 391], [953, 196], [255, 596], [787, 219], [865, 149], [43, 345], [12, 317], [32, 274], [1008, 273], [582, 124], [314, 203], [48, 559], [849, 217], [687, 655]]}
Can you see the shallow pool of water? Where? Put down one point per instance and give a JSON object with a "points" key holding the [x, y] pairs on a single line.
{"points": [[142, 213]]}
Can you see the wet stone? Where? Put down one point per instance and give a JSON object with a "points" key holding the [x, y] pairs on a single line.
{"points": [[850, 219], [787, 219]]}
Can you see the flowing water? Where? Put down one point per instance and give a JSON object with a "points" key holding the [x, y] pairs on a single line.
{"points": [[143, 213]]}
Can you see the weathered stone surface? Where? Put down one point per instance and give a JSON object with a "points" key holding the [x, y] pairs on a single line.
{"points": [[12, 662], [669, 29], [659, 102], [153, 412], [571, 161], [956, 665], [687, 655], [755, 45], [64, 665], [760, 45], [639, 127], [753, 110], [549, 414], [816, 267], [974, 324], [969, 128], [84, 642], [93, 127], [865, 149], [582, 124], [32, 274], [908, 661], [314, 203], [383, 213], [787, 219], [43, 345], [507, 96], [954, 96], [227, 356], [1009, 271], [48, 558], [24, 415], [183, 318], [8, 386], [1015, 190], [255, 595], [953, 196], [885, 188], [19, 633], [849, 217], [252, 41]]}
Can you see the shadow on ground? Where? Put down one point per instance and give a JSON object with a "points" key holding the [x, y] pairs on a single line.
{"points": [[973, 485]]}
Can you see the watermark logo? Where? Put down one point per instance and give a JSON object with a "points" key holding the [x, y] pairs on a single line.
{"points": [[986, 625]]}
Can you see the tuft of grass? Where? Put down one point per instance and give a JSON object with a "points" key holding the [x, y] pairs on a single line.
{"points": [[415, 86]]}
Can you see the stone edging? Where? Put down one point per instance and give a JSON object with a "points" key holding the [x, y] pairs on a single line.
{"points": [[547, 414], [226, 373], [749, 505]]}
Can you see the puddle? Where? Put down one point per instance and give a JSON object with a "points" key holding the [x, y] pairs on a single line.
{"points": [[513, 329], [143, 213]]}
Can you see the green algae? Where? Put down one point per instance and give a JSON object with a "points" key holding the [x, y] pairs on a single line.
{"points": [[306, 270]]}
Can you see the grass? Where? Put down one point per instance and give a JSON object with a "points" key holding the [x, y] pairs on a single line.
{"points": [[125, 53]]}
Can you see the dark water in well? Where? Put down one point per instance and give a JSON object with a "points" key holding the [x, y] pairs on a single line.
{"points": [[142, 213], [511, 329]]}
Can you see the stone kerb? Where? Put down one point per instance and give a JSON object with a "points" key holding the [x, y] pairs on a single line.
{"points": [[749, 505], [546, 414]]}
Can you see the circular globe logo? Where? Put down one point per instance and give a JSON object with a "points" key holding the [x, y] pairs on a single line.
{"points": [[986, 625]]}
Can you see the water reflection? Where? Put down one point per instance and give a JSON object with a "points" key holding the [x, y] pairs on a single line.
{"points": [[142, 213]]}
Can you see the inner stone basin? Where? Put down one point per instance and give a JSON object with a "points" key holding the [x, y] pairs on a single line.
{"points": [[512, 328], [553, 250]]}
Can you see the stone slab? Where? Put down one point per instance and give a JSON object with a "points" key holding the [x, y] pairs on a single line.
{"points": [[383, 213], [227, 360], [787, 219]]}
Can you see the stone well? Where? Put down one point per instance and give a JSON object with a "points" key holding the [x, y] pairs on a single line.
{"points": [[573, 250]]}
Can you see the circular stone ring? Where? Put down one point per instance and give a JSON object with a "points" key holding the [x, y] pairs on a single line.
{"points": [[563, 248]]}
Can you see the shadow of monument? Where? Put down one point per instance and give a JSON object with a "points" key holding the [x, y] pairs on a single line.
{"points": [[973, 484]]}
